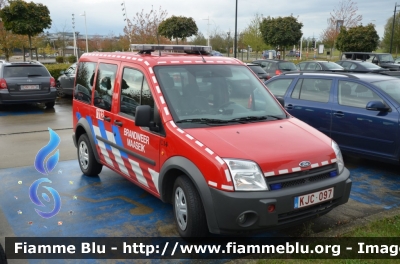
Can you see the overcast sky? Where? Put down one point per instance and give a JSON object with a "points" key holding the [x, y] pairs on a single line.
{"points": [[106, 16]]}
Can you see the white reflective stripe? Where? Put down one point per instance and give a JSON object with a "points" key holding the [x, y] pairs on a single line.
{"points": [[102, 147], [314, 165], [151, 70], [138, 172], [209, 151], [160, 62], [226, 187], [180, 131], [187, 61], [189, 136], [172, 123], [166, 111], [283, 171], [154, 177], [117, 154], [212, 183], [324, 163], [174, 61], [267, 174], [219, 160], [228, 176], [158, 89], [162, 100], [198, 61], [296, 169], [147, 64], [199, 143], [154, 79], [333, 160]]}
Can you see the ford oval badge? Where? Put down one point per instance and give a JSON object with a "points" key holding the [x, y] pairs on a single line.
{"points": [[304, 164]]}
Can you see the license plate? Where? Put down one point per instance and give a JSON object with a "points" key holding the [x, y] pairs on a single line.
{"points": [[313, 198], [29, 87]]}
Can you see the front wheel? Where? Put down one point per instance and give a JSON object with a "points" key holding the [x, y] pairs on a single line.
{"points": [[50, 104], [188, 209], [87, 160]]}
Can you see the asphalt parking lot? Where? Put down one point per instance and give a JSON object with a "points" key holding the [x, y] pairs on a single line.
{"points": [[110, 206]]}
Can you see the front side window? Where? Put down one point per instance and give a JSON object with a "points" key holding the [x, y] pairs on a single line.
{"points": [[84, 81], [279, 87], [311, 66], [317, 90], [105, 85], [355, 94], [219, 94], [302, 66], [391, 88]]}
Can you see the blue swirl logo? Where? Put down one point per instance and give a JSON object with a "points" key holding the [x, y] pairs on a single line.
{"points": [[35, 199], [45, 167], [52, 161]]}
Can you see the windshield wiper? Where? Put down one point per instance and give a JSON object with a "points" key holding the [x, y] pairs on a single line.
{"points": [[254, 118], [202, 121], [31, 75]]}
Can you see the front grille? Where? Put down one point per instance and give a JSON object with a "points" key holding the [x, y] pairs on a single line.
{"points": [[301, 177]]}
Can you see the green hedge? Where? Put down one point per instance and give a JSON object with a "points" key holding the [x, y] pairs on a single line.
{"points": [[60, 59], [55, 69]]}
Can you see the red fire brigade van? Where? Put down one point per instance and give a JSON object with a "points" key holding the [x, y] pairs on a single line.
{"points": [[203, 133]]}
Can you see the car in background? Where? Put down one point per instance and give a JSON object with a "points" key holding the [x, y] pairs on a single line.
{"points": [[266, 54], [215, 53], [384, 60], [65, 83], [258, 71], [397, 60], [26, 82], [275, 67], [360, 111], [360, 66], [319, 66]]}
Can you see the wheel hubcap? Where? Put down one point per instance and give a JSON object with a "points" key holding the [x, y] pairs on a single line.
{"points": [[181, 208], [83, 155]]}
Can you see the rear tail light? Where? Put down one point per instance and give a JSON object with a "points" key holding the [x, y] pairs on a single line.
{"points": [[52, 82], [278, 72], [3, 84]]}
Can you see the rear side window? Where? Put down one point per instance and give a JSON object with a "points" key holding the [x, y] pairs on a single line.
{"points": [[105, 85], [279, 87], [25, 71], [84, 82], [317, 90]]}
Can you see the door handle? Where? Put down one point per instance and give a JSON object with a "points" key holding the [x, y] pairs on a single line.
{"points": [[118, 123], [289, 106], [339, 114], [106, 118]]}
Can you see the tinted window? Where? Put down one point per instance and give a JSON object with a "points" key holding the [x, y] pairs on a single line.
{"points": [[302, 65], [84, 81], [105, 85], [312, 90], [289, 66], [369, 65], [311, 66], [355, 94], [279, 87], [25, 71], [390, 87], [331, 65]]}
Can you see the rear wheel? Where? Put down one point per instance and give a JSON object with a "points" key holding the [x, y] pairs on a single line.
{"points": [[189, 213], [87, 161], [50, 104]]}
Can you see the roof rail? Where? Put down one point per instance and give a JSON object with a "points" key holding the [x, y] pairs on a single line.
{"points": [[321, 72], [192, 49]]}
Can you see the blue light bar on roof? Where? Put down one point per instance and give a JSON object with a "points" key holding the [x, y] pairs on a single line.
{"points": [[185, 48]]}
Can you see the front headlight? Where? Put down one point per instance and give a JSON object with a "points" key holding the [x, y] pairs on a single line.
{"points": [[246, 175], [339, 156]]}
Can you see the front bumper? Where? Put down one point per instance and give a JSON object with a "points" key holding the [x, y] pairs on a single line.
{"points": [[40, 97], [228, 206]]}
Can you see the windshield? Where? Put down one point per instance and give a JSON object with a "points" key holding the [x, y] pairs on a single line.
{"points": [[215, 95], [386, 58], [287, 66], [370, 65], [25, 71], [391, 88], [331, 65]]}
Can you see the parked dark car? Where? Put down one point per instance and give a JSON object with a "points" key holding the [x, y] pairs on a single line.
{"points": [[319, 66], [26, 82], [65, 83], [275, 67], [265, 54], [259, 71], [360, 66], [359, 111], [384, 60], [291, 53], [215, 53]]}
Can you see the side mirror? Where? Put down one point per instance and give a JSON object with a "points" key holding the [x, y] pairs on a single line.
{"points": [[377, 106], [281, 101], [143, 116]]}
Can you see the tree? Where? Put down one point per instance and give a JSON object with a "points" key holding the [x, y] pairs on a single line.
{"points": [[199, 39], [360, 38], [24, 18], [387, 34], [144, 27], [346, 12], [252, 35], [178, 28], [282, 31]]}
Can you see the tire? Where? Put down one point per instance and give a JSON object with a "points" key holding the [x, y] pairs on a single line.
{"points": [[50, 104], [87, 161], [3, 257], [188, 209], [60, 91]]}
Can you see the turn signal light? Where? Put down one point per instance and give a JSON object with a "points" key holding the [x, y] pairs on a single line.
{"points": [[278, 72], [3, 84], [271, 208], [52, 82]]}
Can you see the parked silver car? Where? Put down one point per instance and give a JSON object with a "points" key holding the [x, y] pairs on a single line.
{"points": [[65, 83]]}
